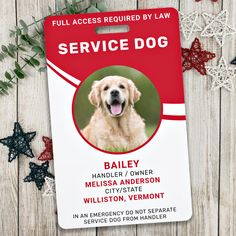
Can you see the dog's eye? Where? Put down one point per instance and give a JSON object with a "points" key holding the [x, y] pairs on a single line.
{"points": [[122, 86], [106, 88]]}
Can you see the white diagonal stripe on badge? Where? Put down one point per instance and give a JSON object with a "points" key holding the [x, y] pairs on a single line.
{"points": [[177, 109], [72, 79]]}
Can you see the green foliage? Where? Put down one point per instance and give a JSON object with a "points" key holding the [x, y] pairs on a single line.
{"points": [[29, 39], [150, 130]]}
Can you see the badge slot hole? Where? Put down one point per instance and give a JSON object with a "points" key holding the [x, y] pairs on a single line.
{"points": [[113, 29]]}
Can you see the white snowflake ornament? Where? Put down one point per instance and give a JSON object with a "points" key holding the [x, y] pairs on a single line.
{"points": [[188, 24], [217, 27], [50, 187], [222, 75]]}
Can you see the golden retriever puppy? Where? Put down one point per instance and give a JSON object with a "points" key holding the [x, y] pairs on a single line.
{"points": [[115, 125]]}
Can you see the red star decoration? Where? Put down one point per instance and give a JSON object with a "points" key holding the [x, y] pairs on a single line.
{"points": [[47, 154], [196, 58]]}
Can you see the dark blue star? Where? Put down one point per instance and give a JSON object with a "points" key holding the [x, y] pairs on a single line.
{"points": [[234, 61], [18, 143], [38, 174]]}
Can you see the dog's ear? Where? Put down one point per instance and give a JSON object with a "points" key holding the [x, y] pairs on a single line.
{"points": [[94, 95], [134, 94]]}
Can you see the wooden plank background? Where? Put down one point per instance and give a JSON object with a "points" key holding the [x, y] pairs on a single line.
{"points": [[211, 129]]}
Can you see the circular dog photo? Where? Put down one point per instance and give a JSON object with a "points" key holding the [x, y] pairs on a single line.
{"points": [[117, 109]]}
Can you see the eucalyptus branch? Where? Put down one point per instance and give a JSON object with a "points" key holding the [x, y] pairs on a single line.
{"points": [[17, 73], [34, 43], [70, 8]]}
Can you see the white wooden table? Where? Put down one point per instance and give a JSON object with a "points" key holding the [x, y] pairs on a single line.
{"points": [[211, 128]]}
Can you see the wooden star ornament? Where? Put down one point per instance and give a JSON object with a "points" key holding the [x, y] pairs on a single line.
{"points": [[195, 57], [47, 153], [217, 27], [188, 24], [222, 75], [18, 143], [38, 173]]}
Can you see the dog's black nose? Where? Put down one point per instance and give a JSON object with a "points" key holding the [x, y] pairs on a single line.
{"points": [[114, 93]]}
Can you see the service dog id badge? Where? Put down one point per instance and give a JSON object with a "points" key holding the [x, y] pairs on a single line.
{"points": [[118, 118]]}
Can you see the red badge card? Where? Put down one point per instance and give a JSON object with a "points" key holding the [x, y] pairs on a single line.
{"points": [[118, 118]]}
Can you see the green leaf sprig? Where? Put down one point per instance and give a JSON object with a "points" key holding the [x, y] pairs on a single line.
{"points": [[31, 44]]}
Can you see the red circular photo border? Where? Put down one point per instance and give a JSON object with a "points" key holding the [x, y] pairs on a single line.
{"points": [[108, 152]]}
